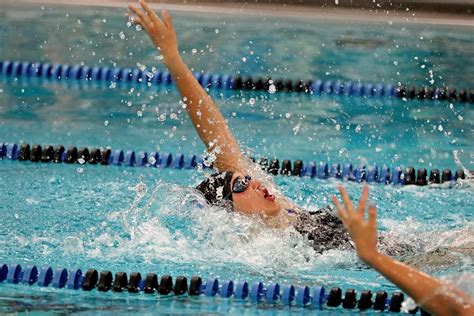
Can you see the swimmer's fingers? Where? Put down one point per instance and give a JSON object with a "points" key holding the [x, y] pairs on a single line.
{"points": [[346, 199], [135, 20], [372, 215], [145, 20], [363, 201], [341, 211], [167, 20], [154, 18]]}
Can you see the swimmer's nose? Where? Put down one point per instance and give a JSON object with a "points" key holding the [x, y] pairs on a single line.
{"points": [[254, 183]]}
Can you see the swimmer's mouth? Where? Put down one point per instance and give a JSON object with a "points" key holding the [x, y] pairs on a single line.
{"points": [[268, 196]]}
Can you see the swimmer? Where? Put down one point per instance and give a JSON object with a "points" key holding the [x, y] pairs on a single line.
{"points": [[430, 293], [238, 185]]}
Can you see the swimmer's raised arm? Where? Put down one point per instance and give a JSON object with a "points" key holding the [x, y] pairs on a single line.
{"points": [[204, 113], [430, 293]]}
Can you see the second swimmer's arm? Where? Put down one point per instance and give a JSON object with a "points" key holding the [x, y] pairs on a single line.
{"points": [[204, 113], [427, 291]]}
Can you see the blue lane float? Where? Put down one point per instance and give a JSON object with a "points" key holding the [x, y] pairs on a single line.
{"points": [[273, 294], [105, 156], [45, 277], [216, 81]]}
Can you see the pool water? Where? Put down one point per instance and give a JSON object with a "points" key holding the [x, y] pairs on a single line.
{"points": [[145, 219]]}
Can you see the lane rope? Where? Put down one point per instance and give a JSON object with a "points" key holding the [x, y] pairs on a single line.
{"points": [[272, 294], [217, 81], [323, 170]]}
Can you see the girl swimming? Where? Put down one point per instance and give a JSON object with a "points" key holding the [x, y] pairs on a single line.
{"points": [[238, 184]]}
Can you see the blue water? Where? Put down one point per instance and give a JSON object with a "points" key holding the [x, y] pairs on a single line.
{"points": [[142, 219]]}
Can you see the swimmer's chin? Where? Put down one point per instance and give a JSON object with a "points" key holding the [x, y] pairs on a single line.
{"points": [[273, 211]]}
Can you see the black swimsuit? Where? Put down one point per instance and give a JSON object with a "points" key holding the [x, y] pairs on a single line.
{"points": [[323, 228], [326, 231]]}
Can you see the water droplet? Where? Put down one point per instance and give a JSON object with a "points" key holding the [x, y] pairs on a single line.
{"points": [[272, 88], [296, 129], [217, 31], [121, 35], [252, 101], [138, 27], [106, 123], [440, 127], [244, 59], [358, 128], [338, 127], [80, 170]]}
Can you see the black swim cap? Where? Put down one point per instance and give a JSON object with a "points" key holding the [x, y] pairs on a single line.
{"points": [[216, 188]]}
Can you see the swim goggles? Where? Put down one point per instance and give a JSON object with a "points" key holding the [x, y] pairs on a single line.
{"points": [[240, 185]]}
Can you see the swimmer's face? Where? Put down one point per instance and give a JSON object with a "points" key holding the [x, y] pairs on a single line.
{"points": [[256, 199]]}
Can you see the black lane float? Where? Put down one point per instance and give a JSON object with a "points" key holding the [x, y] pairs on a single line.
{"points": [[322, 170], [146, 77]]}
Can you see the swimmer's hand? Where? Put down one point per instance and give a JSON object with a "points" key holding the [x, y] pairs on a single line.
{"points": [[428, 292], [160, 30], [363, 232]]}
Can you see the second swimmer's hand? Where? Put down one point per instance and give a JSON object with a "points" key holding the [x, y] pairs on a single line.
{"points": [[363, 232], [160, 30]]}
